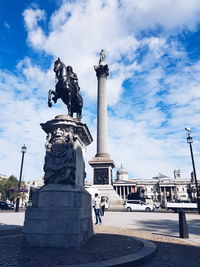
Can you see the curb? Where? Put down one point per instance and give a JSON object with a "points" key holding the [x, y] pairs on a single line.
{"points": [[138, 257]]}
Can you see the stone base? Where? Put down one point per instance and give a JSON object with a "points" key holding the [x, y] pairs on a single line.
{"points": [[114, 200], [60, 217]]}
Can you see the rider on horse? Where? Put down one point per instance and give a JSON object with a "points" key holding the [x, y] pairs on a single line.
{"points": [[73, 79], [67, 89]]}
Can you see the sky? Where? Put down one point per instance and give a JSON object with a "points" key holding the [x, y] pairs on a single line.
{"points": [[153, 90]]}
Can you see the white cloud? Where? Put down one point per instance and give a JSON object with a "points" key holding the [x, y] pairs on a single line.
{"points": [[24, 107], [36, 36], [32, 16], [7, 25], [147, 117], [168, 14]]}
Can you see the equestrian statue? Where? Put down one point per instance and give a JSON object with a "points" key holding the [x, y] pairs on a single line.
{"points": [[67, 89]]}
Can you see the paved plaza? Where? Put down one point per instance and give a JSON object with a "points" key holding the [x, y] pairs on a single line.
{"points": [[155, 222], [161, 228]]}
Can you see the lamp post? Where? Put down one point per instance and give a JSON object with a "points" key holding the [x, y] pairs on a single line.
{"points": [[23, 150], [190, 141]]}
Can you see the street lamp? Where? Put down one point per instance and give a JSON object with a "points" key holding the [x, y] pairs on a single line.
{"points": [[190, 141], [23, 150]]}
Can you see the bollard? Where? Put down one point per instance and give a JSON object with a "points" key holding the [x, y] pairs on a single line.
{"points": [[17, 205], [183, 229]]}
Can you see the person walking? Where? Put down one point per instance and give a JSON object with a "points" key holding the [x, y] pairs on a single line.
{"points": [[96, 206], [103, 205]]}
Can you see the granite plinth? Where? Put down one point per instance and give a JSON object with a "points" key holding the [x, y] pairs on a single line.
{"points": [[60, 217]]}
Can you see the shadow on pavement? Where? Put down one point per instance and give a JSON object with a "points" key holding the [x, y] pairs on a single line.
{"points": [[174, 254], [102, 246], [170, 227]]}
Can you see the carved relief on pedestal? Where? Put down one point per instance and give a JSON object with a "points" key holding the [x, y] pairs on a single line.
{"points": [[101, 176], [60, 163]]}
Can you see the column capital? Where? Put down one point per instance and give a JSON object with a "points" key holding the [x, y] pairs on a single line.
{"points": [[102, 71]]}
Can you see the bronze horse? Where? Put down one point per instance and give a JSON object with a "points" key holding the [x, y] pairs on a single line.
{"points": [[67, 89]]}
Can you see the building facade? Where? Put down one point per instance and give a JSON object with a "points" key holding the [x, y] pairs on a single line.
{"points": [[159, 189]]}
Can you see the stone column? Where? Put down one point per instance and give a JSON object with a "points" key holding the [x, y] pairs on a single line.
{"points": [[165, 195], [102, 74], [161, 194], [123, 192], [120, 192], [117, 190], [175, 192], [102, 163], [171, 192]]}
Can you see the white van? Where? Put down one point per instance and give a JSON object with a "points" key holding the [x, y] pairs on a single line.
{"points": [[137, 205]]}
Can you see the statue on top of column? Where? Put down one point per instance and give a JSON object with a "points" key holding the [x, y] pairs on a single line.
{"points": [[102, 57], [102, 69], [67, 89]]}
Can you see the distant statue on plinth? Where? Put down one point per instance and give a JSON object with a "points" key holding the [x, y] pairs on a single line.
{"points": [[102, 69], [102, 57], [67, 89]]}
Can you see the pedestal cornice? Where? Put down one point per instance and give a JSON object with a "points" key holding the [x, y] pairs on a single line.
{"points": [[62, 121], [105, 161]]}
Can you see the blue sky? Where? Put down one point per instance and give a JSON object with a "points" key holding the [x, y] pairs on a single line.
{"points": [[153, 90]]}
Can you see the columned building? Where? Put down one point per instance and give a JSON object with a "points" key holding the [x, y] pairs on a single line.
{"points": [[160, 188]]}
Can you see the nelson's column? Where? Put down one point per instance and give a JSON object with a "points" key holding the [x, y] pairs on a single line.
{"points": [[102, 163]]}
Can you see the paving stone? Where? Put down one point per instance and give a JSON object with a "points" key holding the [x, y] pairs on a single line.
{"points": [[100, 247], [108, 243]]}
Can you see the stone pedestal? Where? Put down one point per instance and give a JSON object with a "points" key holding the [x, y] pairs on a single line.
{"points": [[60, 217], [102, 170], [61, 214], [102, 180]]}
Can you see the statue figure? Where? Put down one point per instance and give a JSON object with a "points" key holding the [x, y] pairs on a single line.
{"points": [[102, 57], [67, 89], [73, 79]]}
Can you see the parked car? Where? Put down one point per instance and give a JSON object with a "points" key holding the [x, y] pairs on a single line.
{"points": [[137, 205], [6, 206]]}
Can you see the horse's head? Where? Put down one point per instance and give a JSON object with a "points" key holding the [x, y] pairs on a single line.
{"points": [[57, 66]]}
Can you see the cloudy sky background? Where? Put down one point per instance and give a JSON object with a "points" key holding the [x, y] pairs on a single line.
{"points": [[153, 91]]}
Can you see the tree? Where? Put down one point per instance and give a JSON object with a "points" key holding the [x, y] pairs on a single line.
{"points": [[8, 188], [13, 179]]}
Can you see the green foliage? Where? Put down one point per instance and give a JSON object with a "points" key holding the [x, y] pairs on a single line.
{"points": [[13, 179], [7, 188]]}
